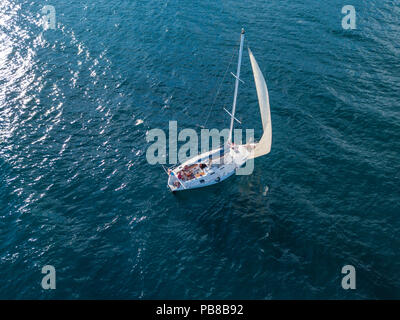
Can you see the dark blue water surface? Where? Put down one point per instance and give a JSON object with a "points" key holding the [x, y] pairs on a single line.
{"points": [[77, 191]]}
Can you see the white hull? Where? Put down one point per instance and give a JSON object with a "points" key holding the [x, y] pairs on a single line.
{"points": [[217, 165], [199, 172]]}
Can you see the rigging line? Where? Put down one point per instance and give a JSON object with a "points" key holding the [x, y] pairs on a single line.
{"points": [[219, 88], [247, 43], [244, 83]]}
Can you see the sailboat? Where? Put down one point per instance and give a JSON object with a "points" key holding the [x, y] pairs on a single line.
{"points": [[219, 164]]}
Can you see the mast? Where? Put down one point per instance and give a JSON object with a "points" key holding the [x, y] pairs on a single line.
{"points": [[237, 76]]}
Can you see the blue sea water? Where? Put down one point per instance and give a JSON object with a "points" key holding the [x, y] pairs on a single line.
{"points": [[77, 191]]}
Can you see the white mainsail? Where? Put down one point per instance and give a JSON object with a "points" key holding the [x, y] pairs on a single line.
{"points": [[264, 145]]}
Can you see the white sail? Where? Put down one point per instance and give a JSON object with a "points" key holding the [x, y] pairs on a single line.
{"points": [[264, 145]]}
